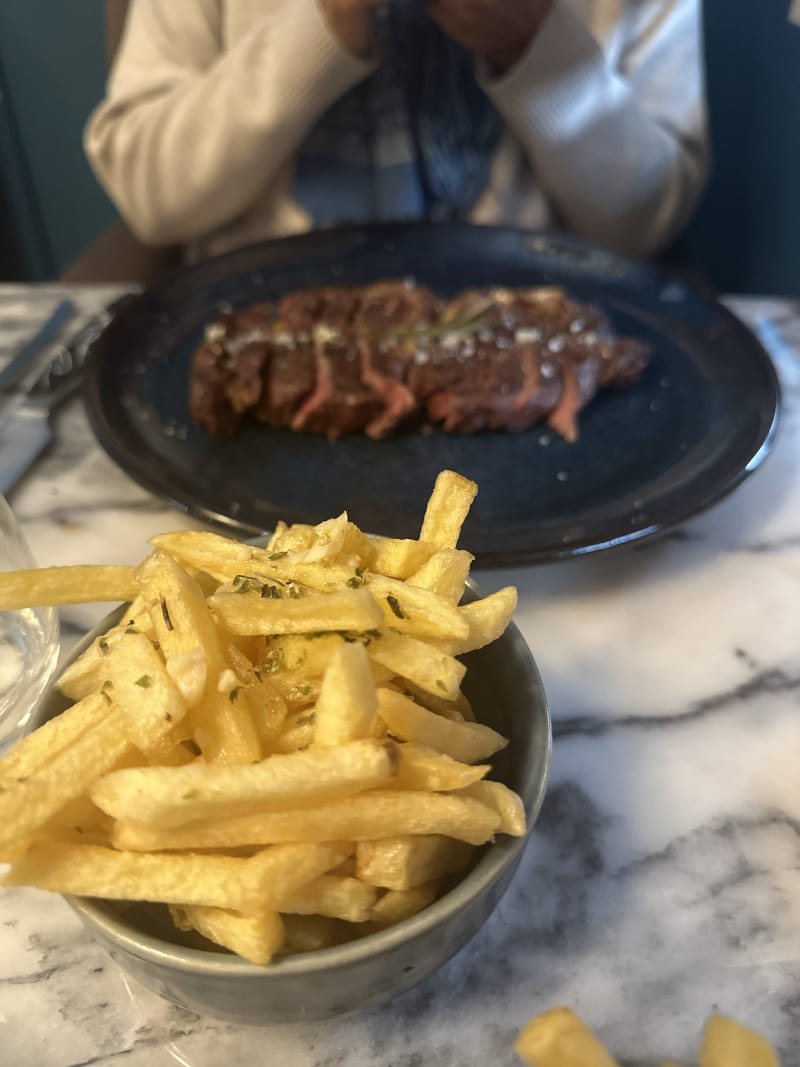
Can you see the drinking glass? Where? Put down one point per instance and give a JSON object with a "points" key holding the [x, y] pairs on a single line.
{"points": [[29, 641]]}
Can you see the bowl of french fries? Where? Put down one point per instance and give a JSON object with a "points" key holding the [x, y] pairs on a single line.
{"points": [[284, 780]]}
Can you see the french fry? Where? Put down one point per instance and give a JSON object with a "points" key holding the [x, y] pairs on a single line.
{"points": [[224, 729], [428, 667], [183, 624], [334, 896], [268, 710], [445, 573], [329, 539], [458, 710], [447, 508], [409, 862], [290, 655], [29, 801], [308, 933], [398, 558], [366, 817], [298, 732], [226, 560], [42, 747], [396, 905], [347, 609], [174, 796], [133, 668], [487, 620], [178, 611], [83, 676], [254, 937], [467, 742], [49, 586], [504, 801], [347, 703], [424, 768], [280, 529], [244, 885], [727, 1043], [558, 1038], [416, 611]]}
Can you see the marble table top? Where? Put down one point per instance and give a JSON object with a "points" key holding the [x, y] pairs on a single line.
{"points": [[663, 878]]}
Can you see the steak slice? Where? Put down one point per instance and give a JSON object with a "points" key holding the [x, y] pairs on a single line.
{"points": [[209, 406], [340, 402], [507, 388], [247, 376], [292, 375], [387, 311]]}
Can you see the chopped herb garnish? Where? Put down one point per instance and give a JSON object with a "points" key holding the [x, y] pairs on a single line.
{"points": [[279, 555], [192, 793], [440, 685], [102, 644], [156, 646], [145, 681], [167, 716], [269, 591], [233, 696], [358, 578], [305, 720], [107, 684], [106, 697], [394, 604], [246, 585], [165, 613], [131, 630], [192, 747], [296, 591], [304, 689]]}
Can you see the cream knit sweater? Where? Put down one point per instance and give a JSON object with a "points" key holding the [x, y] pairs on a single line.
{"points": [[210, 99]]}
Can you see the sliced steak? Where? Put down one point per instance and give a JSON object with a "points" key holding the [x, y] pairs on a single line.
{"points": [[341, 402], [335, 360]]}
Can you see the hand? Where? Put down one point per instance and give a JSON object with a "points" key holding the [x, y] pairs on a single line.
{"points": [[498, 30], [350, 21]]}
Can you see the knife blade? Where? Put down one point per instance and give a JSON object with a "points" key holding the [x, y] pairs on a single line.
{"points": [[12, 373], [25, 422], [24, 434]]}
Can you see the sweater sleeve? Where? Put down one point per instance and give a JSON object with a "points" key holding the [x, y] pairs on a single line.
{"points": [[190, 134], [620, 149]]}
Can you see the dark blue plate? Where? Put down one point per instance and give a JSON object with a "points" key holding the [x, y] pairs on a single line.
{"points": [[700, 420]]}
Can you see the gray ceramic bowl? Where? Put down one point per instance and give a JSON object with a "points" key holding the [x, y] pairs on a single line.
{"points": [[506, 691]]}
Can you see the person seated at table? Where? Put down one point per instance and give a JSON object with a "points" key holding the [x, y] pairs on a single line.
{"points": [[229, 121]]}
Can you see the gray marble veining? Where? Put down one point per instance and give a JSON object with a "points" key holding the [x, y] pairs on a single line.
{"points": [[663, 880]]}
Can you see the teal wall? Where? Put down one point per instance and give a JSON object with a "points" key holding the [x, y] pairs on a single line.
{"points": [[746, 234], [52, 69], [745, 237]]}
